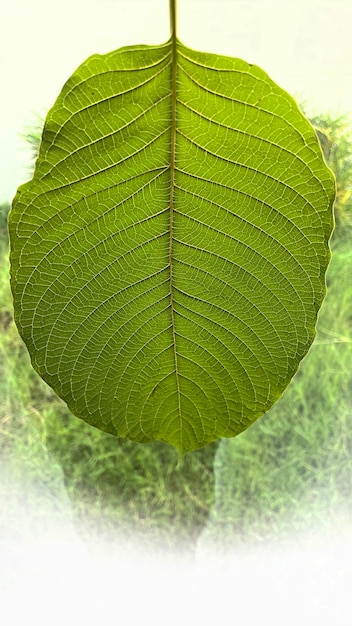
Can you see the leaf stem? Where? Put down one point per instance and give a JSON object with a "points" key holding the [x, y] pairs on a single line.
{"points": [[173, 24]]}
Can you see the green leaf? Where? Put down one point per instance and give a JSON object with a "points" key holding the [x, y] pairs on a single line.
{"points": [[169, 254]]}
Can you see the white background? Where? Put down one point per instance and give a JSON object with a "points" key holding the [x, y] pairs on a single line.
{"points": [[304, 45]]}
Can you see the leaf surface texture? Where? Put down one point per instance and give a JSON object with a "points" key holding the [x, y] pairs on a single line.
{"points": [[169, 254]]}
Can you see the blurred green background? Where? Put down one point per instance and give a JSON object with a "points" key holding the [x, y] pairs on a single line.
{"points": [[290, 471]]}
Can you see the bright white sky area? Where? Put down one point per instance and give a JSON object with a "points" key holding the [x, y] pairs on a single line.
{"points": [[304, 45]]}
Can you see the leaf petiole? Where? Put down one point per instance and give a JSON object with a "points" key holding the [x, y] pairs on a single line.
{"points": [[173, 19]]}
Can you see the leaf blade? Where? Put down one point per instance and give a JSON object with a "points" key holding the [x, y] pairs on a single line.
{"points": [[177, 230]]}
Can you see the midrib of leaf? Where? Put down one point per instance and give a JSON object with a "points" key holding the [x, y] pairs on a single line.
{"points": [[172, 190]]}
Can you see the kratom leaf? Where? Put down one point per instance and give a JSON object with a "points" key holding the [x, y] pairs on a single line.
{"points": [[169, 254]]}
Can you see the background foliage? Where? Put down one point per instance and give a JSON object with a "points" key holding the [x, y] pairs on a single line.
{"points": [[291, 468]]}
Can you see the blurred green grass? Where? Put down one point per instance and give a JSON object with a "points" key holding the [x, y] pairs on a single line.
{"points": [[291, 469], [112, 483]]}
